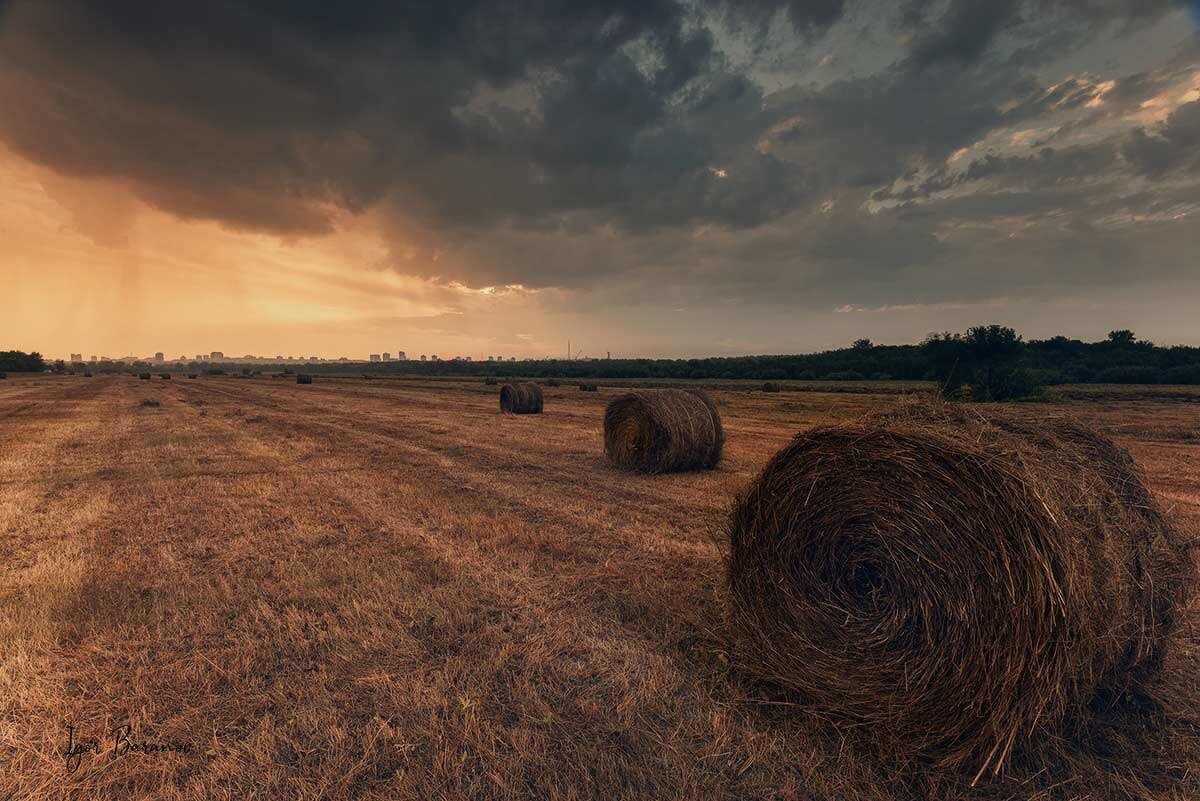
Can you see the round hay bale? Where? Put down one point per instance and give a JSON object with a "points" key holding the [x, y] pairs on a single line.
{"points": [[771, 386], [664, 430], [193, 375], [144, 376], [490, 381], [964, 588], [165, 376], [588, 387], [552, 382], [301, 378], [521, 398]]}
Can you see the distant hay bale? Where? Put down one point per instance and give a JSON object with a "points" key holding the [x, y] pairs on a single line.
{"points": [[144, 376], [152, 403], [490, 381], [521, 398], [588, 387], [165, 376], [666, 430], [964, 588], [87, 374], [771, 386], [301, 378], [192, 375], [552, 382]]}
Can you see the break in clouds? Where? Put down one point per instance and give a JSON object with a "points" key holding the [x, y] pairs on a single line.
{"points": [[811, 154]]}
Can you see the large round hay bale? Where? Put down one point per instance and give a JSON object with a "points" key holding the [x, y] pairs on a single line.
{"points": [[963, 587], [771, 386], [521, 398], [144, 376], [666, 430], [301, 378]]}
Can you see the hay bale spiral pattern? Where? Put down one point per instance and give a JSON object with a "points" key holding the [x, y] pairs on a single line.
{"points": [[959, 586]]}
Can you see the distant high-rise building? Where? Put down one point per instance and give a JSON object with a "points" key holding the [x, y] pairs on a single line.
{"points": [[76, 357], [491, 358], [93, 360], [374, 357], [433, 358], [422, 357], [216, 355], [468, 358], [401, 356], [387, 357], [158, 357]]}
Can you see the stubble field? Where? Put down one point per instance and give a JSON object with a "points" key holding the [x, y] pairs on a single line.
{"points": [[388, 589]]}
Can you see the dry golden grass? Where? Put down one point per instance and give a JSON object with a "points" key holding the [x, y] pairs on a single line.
{"points": [[347, 590]]}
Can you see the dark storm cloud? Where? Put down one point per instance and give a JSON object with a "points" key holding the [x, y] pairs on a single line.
{"points": [[1172, 146], [584, 141], [280, 115], [964, 30], [756, 16]]}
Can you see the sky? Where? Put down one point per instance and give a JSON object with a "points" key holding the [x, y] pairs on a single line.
{"points": [[661, 178]]}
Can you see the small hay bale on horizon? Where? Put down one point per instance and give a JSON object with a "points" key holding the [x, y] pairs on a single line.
{"points": [[165, 376], [302, 378], [87, 374], [663, 431], [966, 590], [144, 376], [771, 386], [192, 375], [552, 382], [585, 387], [490, 381], [521, 398]]}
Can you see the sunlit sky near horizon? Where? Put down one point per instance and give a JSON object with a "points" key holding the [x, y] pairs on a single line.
{"points": [[659, 178]]}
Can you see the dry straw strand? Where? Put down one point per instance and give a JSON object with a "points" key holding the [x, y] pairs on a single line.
{"points": [[663, 431]]}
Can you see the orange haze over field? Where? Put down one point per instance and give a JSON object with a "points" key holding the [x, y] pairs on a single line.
{"points": [[88, 267]]}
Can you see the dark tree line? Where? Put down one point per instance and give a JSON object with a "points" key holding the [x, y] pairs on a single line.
{"points": [[994, 362], [15, 361]]}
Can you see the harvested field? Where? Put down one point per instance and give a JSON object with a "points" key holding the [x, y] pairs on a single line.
{"points": [[339, 593]]}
